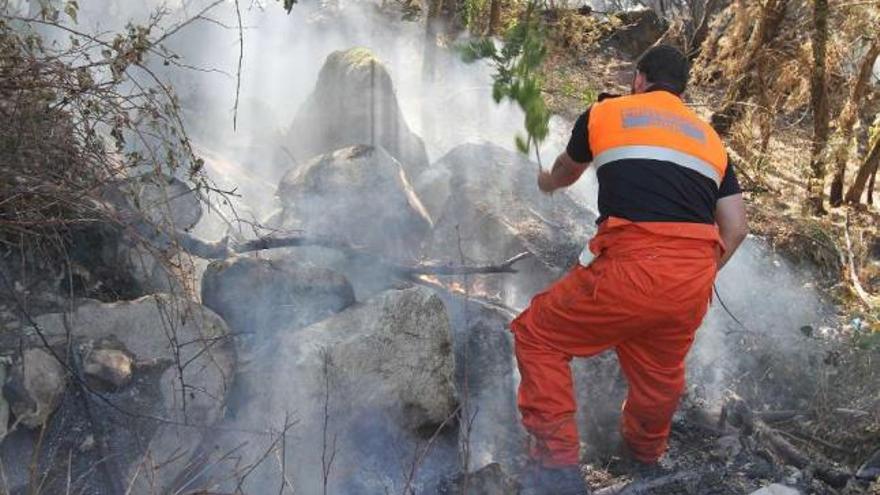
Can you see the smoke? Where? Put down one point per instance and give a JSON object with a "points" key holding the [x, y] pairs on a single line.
{"points": [[774, 344]]}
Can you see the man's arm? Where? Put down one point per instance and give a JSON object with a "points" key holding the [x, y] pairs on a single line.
{"points": [[730, 215], [566, 171]]}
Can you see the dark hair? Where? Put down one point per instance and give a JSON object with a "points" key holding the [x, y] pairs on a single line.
{"points": [[665, 66]]}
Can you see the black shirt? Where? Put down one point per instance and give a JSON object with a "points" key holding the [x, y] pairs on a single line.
{"points": [[641, 191]]}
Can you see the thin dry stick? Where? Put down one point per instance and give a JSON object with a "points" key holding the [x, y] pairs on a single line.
{"points": [[272, 447], [466, 411], [853, 274], [238, 72], [420, 457], [327, 458], [284, 481], [33, 469]]}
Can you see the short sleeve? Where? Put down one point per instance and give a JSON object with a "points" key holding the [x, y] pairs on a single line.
{"points": [[729, 183], [578, 145]]}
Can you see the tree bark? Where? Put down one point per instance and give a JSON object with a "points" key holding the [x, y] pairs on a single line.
{"points": [[702, 30], [871, 187], [432, 31], [494, 17], [819, 107], [772, 15], [867, 171], [848, 119]]}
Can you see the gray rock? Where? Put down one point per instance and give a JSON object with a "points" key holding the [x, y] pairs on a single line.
{"points": [[4, 404], [354, 103], [35, 388], [495, 209], [485, 362], [141, 254], [184, 366], [870, 469], [393, 351], [376, 377], [262, 296], [165, 201], [359, 195], [488, 480], [776, 489], [728, 447], [639, 30], [107, 367]]}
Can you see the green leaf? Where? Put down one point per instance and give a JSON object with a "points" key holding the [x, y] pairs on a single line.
{"points": [[517, 65], [521, 144]]}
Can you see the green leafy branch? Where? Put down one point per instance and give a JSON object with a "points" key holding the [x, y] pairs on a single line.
{"points": [[288, 4], [517, 62]]}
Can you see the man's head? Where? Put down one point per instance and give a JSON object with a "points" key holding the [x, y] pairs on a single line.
{"points": [[661, 66]]}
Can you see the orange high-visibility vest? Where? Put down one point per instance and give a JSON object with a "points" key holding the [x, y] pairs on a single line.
{"points": [[655, 125]]}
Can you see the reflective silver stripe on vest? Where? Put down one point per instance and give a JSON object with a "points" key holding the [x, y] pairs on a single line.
{"points": [[658, 153]]}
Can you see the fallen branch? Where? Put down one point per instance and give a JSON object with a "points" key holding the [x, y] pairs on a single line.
{"points": [[738, 414], [853, 274], [222, 249], [654, 485]]}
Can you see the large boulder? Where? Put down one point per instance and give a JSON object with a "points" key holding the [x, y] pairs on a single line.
{"points": [[391, 352], [354, 102], [637, 30], [35, 387], [164, 200], [359, 195], [487, 376], [138, 253], [261, 296], [149, 424], [484, 198], [364, 385], [488, 480]]}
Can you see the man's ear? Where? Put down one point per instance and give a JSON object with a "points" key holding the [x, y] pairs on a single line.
{"points": [[640, 82]]}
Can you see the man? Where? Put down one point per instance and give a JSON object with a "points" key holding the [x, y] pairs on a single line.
{"points": [[671, 215]]}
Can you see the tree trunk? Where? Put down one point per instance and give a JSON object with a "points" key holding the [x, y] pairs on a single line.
{"points": [[848, 119], [867, 171], [772, 14], [871, 187], [819, 107], [433, 23], [702, 30], [494, 17], [432, 31]]}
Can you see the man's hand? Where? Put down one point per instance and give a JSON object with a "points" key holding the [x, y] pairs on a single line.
{"points": [[565, 172], [545, 181], [730, 215]]}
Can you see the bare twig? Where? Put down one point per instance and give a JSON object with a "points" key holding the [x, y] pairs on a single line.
{"points": [[860, 291], [648, 486], [238, 71], [263, 457], [738, 414], [328, 447], [420, 455]]}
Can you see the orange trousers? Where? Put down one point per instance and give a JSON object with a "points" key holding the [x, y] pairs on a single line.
{"points": [[644, 295]]}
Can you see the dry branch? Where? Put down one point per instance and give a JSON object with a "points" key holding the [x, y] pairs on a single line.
{"points": [[221, 249], [739, 415], [853, 274], [654, 485]]}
